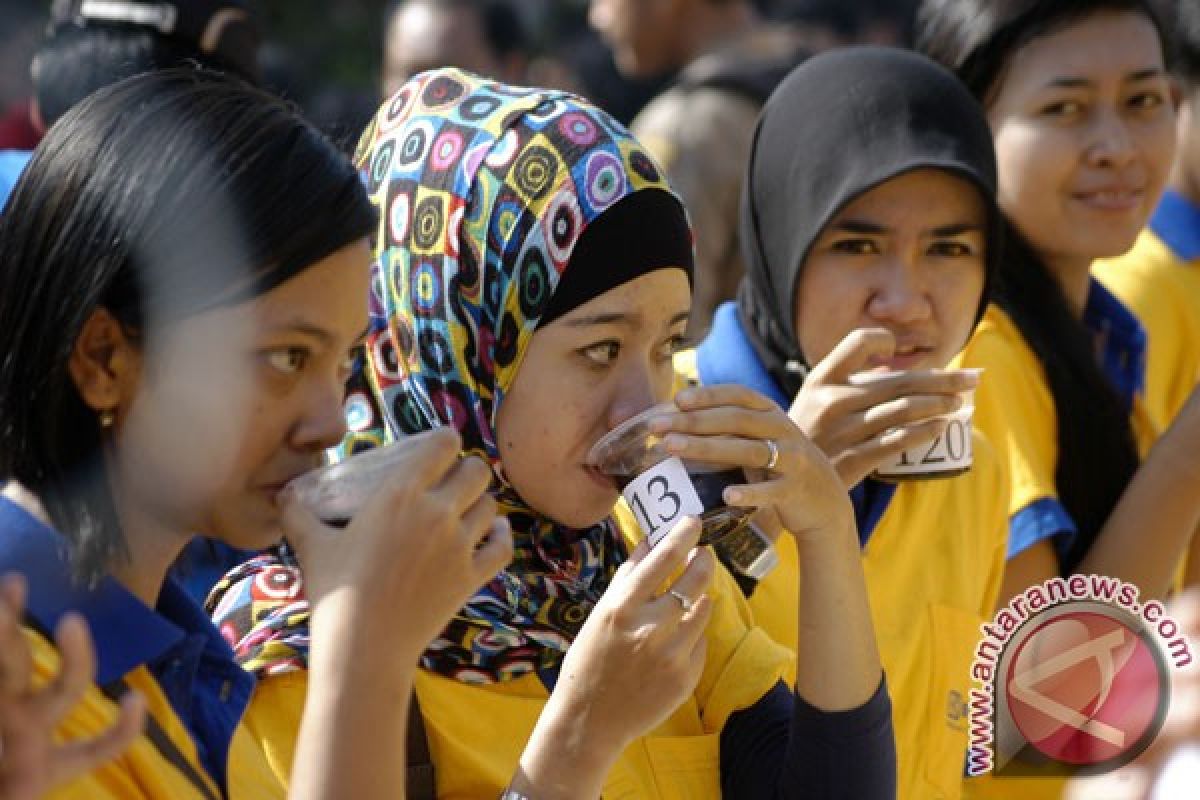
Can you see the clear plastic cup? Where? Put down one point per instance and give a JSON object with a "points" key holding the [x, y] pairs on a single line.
{"points": [[335, 492], [948, 455], [661, 488]]}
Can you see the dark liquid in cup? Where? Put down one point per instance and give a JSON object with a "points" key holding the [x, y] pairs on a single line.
{"points": [[718, 519], [710, 486]]}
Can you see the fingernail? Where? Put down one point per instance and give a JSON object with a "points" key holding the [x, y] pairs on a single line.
{"points": [[659, 424], [686, 396], [675, 444], [734, 495]]}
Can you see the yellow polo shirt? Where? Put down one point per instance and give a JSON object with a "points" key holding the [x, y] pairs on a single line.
{"points": [[1015, 410], [933, 568], [1163, 291], [172, 759], [145, 770], [476, 733]]}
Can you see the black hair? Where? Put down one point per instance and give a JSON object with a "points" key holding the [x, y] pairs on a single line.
{"points": [[1097, 456], [161, 196], [503, 31], [75, 61], [851, 20], [1186, 41]]}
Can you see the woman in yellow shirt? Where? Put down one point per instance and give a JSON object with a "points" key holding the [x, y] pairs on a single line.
{"points": [[883, 267], [181, 252], [1080, 106], [532, 284], [1081, 111]]}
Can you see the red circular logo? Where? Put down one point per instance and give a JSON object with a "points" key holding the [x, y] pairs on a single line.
{"points": [[1086, 688]]}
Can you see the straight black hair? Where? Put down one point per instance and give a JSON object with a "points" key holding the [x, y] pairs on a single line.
{"points": [[161, 196], [1097, 457]]}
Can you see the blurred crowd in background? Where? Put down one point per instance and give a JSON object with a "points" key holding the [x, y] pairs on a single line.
{"points": [[330, 57]]}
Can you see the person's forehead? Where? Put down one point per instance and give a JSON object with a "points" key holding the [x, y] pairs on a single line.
{"points": [[1119, 43]]}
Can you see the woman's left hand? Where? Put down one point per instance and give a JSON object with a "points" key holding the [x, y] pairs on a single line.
{"points": [[32, 761], [734, 426]]}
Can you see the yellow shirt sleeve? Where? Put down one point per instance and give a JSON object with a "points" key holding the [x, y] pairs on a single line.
{"points": [[1164, 293], [1015, 411]]}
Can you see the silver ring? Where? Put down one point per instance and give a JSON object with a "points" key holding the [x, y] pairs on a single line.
{"points": [[685, 602], [774, 459]]}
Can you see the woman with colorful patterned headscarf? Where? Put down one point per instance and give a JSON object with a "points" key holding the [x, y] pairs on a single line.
{"points": [[532, 282]]}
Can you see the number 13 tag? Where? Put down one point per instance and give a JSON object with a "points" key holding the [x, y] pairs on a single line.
{"points": [[662, 496]]}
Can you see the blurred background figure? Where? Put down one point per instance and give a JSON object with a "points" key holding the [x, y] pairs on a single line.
{"points": [[486, 37], [883, 22], [727, 58], [88, 45], [20, 30]]}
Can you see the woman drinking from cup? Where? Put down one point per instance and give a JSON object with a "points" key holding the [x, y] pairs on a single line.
{"points": [[870, 223], [532, 284], [182, 267]]}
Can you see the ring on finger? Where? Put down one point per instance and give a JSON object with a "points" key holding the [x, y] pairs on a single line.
{"points": [[685, 602], [773, 454]]}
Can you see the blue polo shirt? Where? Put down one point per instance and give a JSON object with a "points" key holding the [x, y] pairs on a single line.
{"points": [[176, 641]]}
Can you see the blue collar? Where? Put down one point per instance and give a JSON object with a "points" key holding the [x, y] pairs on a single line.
{"points": [[1177, 222], [125, 632], [1120, 342], [726, 356]]}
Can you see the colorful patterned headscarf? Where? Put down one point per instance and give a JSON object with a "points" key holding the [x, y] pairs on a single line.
{"points": [[483, 190]]}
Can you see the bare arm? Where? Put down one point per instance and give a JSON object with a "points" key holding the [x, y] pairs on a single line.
{"points": [[1152, 526], [1033, 565], [838, 664]]}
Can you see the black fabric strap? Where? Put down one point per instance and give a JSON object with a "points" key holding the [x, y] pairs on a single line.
{"points": [[163, 743], [419, 779], [153, 731]]}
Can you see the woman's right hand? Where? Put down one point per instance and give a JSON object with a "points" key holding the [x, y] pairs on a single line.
{"points": [[423, 544], [862, 427], [381, 589], [636, 660]]}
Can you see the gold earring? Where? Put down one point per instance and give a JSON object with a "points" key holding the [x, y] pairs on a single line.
{"points": [[108, 418]]}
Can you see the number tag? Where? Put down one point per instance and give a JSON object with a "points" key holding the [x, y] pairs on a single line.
{"points": [[662, 496], [949, 452]]}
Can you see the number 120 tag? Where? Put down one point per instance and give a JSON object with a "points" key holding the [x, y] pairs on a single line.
{"points": [[662, 496]]}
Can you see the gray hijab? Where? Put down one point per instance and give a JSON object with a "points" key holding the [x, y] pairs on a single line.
{"points": [[840, 124]]}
